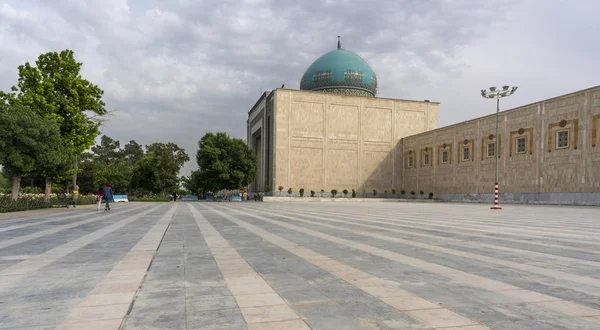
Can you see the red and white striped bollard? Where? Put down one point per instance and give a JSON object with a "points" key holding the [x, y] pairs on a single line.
{"points": [[496, 207]]}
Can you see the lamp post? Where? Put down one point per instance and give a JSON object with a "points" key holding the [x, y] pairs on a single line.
{"points": [[493, 93]]}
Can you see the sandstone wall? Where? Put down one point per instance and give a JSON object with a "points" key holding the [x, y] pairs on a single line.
{"points": [[542, 168], [328, 141]]}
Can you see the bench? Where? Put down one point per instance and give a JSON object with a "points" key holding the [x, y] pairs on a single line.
{"points": [[63, 200]]}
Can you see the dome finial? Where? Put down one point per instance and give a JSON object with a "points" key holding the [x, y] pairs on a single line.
{"points": [[339, 43]]}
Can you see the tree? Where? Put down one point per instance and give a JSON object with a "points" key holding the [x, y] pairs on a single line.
{"points": [[108, 151], [119, 174], [193, 183], [225, 162], [133, 152], [5, 183], [26, 140], [55, 90], [158, 170]]}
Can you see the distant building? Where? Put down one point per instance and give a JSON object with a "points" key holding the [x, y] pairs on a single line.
{"points": [[335, 133]]}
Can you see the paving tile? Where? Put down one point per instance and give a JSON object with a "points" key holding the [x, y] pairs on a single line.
{"points": [[217, 319], [440, 317], [104, 312], [92, 325], [257, 300], [280, 325], [268, 314], [209, 303], [107, 299]]}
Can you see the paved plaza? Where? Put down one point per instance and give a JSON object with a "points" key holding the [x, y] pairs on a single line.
{"points": [[342, 265]]}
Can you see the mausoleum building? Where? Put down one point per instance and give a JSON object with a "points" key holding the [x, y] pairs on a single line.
{"points": [[335, 133]]}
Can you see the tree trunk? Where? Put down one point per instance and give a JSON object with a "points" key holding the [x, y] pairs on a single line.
{"points": [[16, 186], [47, 189]]}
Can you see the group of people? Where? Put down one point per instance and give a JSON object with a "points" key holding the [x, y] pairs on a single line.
{"points": [[105, 193]]}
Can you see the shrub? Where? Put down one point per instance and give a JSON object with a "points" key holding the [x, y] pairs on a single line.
{"points": [[402, 191], [312, 193], [333, 192], [322, 191], [280, 188], [345, 191], [268, 188], [421, 192], [289, 191], [393, 191], [301, 191], [353, 193], [149, 199], [430, 195], [412, 193], [374, 192]]}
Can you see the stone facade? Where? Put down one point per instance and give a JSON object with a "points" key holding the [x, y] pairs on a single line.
{"points": [[548, 153], [315, 140]]}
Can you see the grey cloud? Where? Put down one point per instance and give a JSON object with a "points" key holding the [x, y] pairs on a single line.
{"points": [[173, 70]]}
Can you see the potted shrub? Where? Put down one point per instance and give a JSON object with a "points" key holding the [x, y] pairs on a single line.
{"points": [[312, 193], [301, 191], [345, 191], [322, 193], [333, 193], [430, 195], [353, 193], [393, 191], [421, 192], [289, 191], [280, 189], [374, 192], [412, 193]]}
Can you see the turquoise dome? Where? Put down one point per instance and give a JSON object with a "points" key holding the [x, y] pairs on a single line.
{"points": [[340, 72]]}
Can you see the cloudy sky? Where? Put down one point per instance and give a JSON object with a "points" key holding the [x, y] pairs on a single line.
{"points": [[173, 70]]}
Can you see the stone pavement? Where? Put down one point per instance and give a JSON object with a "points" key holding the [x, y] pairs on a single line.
{"points": [[202, 265]]}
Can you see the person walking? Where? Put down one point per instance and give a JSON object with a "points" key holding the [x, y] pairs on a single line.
{"points": [[98, 197], [108, 196]]}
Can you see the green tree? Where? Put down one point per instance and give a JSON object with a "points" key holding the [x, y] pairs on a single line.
{"points": [[4, 181], [26, 139], [108, 151], [55, 89], [119, 174], [158, 170], [133, 152], [225, 162], [193, 183]]}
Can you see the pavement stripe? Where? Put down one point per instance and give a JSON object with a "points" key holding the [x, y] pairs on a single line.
{"points": [[393, 221], [510, 228], [482, 229], [17, 272], [564, 307], [260, 305], [54, 219], [111, 299], [388, 291], [507, 220], [357, 222], [521, 266], [28, 237]]}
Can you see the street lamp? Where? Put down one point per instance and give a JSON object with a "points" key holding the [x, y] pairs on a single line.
{"points": [[493, 93]]}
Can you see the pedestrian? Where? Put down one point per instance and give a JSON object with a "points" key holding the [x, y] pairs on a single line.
{"points": [[98, 197], [108, 196], [174, 197]]}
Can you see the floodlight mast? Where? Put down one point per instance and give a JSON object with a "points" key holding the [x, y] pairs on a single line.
{"points": [[493, 93]]}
